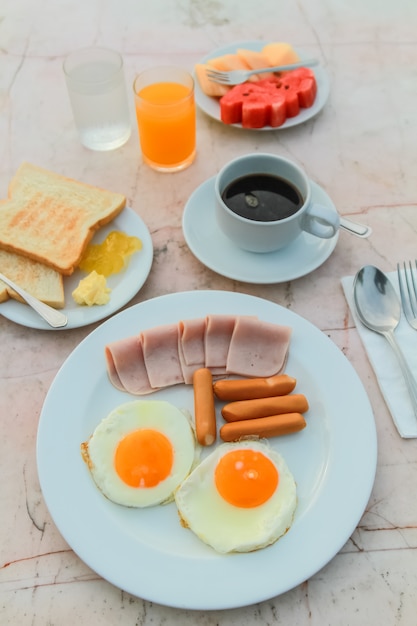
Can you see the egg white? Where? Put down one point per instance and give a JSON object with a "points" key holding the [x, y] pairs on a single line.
{"points": [[99, 450], [228, 528]]}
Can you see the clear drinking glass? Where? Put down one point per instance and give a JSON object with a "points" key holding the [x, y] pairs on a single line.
{"points": [[165, 111], [97, 92]]}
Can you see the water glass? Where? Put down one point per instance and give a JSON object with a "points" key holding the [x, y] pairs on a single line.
{"points": [[97, 92]]}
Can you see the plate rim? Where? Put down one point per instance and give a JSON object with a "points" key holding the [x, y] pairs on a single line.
{"points": [[169, 588], [22, 314], [205, 102]]}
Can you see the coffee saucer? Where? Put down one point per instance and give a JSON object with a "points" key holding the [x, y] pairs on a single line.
{"points": [[217, 252]]}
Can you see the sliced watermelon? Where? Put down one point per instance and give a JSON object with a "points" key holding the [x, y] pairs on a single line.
{"points": [[300, 72], [231, 110], [231, 104], [292, 104], [255, 112], [306, 93], [278, 112], [269, 102]]}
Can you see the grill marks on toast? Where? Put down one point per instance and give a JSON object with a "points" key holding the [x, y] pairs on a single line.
{"points": [[45, 226], [51, 218]]}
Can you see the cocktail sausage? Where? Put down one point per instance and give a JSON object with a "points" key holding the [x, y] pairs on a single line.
{"points": [[271, 426], [204, 410], [262, 407], [250, 388]]}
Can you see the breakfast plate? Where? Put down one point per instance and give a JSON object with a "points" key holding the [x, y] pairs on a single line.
{"points": [[124, 285], [215, 250], [211, 105], [146, 552]]}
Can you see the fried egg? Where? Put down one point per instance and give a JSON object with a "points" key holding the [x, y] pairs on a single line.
{"points": [[141, 452], [242, 497]]}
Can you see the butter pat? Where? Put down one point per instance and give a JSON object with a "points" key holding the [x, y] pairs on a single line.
{"points": [[92, 290]]}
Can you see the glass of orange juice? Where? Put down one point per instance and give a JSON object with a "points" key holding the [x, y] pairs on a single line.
{"points": [[165, 111]]}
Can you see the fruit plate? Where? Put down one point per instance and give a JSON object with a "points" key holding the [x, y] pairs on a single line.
{"points": [[211, 105], [147, 552]]}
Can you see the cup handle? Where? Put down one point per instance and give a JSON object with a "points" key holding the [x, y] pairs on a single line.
{"points": [[320, 221]]}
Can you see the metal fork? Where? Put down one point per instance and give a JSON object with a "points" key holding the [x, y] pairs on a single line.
{"points": [[407, 281], [55, 318], [236, 77]]}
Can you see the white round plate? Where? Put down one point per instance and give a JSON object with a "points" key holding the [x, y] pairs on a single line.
{"points": [[124, 285], [147, 552], [211, 105], [215, 250]]}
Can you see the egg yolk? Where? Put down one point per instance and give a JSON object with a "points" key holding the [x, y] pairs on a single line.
{"points": [[246, 478], [110, 256], [144, 458]]}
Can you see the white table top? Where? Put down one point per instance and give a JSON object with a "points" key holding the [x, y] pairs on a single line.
{"points": [[361, 149]]}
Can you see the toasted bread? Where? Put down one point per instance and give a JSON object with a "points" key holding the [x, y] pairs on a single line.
{"points": [[51, 218], [40, 281]]}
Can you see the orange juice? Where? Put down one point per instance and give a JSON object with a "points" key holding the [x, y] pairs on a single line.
{"points": [[165, 113]]}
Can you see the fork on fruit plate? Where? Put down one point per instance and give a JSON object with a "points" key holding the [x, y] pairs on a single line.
{"points": [[236, 77]]}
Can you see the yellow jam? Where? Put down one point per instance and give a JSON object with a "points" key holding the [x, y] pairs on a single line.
{"points": [[110, 256]]}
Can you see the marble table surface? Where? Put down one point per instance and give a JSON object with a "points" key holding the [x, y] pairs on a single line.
{"points": [[361, 149]]}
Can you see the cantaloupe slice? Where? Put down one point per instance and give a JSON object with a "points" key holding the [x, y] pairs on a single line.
{"points": [[253, 58], [280, 53], [256, 60], [217, 63], [231, 62], [209, 87], [276, 53]]}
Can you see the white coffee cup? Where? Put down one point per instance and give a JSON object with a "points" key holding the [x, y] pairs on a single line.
{"points": [[267, 236]]}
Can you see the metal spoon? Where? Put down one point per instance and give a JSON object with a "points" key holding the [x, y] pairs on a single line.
{"points": [[360, 230], [55, 318], [379, 309]]}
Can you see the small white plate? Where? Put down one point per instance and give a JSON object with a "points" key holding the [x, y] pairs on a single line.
{"points": [[215, 250], [211, 105], [124, 285], [146, 552]]}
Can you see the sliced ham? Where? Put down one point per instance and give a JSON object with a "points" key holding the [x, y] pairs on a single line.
{"points": [[191, 341], [188, 370], [126, 366], [169, 354], [160, 353], [111, 368], [257, 348], [219, 330], [191, 347]]}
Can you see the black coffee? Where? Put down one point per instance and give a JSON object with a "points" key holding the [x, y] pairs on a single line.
{"points": [[262, 197]]}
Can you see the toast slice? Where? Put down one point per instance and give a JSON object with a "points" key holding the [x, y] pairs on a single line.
{"points": [[40, 281], [50, 218]]}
